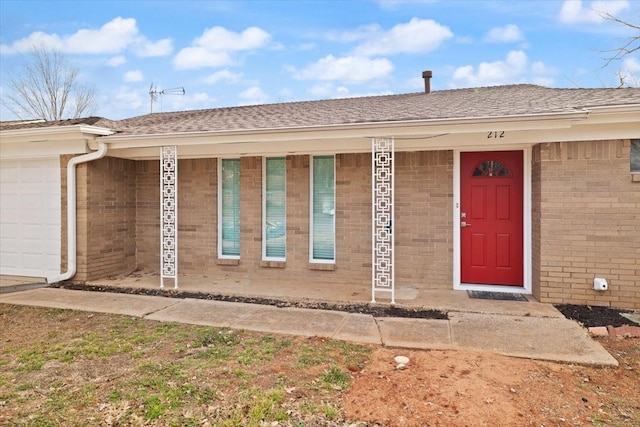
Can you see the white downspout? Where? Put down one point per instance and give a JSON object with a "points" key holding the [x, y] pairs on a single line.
{"points": [[71, 211]]}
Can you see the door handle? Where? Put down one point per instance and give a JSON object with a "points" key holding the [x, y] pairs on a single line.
{"points": [[464, 224]]}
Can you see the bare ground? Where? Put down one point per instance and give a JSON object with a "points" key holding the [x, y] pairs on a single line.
{"points": [[61, 367]]}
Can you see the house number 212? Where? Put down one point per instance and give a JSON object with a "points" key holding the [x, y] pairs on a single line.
{"points": [[495, 134]]}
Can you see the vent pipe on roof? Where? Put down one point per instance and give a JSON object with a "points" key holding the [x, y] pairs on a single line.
{"points": [[426, 75]]}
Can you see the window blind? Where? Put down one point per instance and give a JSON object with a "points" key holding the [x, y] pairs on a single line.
{"points": [[230, 207], [275, 209], [323, 208]]}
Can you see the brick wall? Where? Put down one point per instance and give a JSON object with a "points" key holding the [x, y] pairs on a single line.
{"points": [[586, 223], [106, 215], [148, 215], [423, 220]]}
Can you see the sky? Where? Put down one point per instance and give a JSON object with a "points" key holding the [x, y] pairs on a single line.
{"points": [[231, 52]]}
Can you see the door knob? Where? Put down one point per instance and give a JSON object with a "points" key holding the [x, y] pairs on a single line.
{"points": [[464, 224]]}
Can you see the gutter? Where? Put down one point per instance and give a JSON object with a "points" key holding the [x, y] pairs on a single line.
{"points": [[71, 211], [124, 140]]}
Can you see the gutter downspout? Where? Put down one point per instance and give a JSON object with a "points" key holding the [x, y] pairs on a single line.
{"points": [[71, 211]]}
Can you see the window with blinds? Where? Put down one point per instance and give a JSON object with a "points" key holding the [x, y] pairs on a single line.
{"points": [[229, 208], [322, 209], [274, 209]]}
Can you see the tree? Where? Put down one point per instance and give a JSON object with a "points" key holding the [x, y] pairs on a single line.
{"points": [[632, 44], [46, 87]]}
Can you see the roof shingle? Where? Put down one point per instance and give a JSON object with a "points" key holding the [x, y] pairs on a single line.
{"points": [[495, 101]]}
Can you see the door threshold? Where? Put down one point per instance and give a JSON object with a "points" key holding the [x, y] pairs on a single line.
{"points": [[497, 296], [511, 289]]}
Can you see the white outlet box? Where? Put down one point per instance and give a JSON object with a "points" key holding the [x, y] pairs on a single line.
{"points": [[600, 284]]}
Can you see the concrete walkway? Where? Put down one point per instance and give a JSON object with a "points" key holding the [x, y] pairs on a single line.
{"points": [[518, 333]]}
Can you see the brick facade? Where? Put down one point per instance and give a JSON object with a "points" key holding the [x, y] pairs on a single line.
{"points": [[586, 223], [106, 218], [423, 220]]}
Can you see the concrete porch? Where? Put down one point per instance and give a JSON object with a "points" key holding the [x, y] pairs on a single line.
{"points": [[20, 283], [292, 289]]}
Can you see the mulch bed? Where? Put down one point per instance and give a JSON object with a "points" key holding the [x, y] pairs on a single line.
{"points": [[588, 316], [374, 310], [591, 316]]}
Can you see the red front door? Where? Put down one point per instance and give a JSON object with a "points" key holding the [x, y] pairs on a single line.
{"points": [[491, 220]]}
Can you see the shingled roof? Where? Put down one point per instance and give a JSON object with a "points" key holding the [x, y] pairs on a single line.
{"points": [[495, 101], [34, 124], [459, 103]]}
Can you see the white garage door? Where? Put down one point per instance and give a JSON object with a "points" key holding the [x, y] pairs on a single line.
{"points": [[30, 217]]}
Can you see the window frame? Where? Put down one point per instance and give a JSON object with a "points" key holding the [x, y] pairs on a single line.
{"points": [[265, 160], [221, 255], [634, 143], [311, 209]]}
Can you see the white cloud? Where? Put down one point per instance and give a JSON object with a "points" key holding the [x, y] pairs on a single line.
{"points": [[37, 39], [145, 48], [215, 46], [253, 95], [128, 100], [573, 11], [632, 65], [630, 72], [116, 61], [223, 75], [416, 36], [514, 69], [112, 38], [506, 34], [352, 69], [133, 76]]}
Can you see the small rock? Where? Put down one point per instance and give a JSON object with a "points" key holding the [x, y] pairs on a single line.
{"points": [[401, 360], [512, 390], [599, 331], [401, 366]]}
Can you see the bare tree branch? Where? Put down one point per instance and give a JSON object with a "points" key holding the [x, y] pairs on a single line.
{"points": [[46, 87], [632, 44]]}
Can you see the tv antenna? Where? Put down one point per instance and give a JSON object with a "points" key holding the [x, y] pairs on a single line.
{"points": [[154, 92]]}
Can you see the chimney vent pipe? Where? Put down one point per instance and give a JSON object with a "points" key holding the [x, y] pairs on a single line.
{"points": [[426, 75]]}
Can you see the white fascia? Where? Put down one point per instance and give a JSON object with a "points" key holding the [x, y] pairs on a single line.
{"points": [[48, 141], [410, 135]]}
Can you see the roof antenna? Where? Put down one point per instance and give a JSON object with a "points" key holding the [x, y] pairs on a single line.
{"points": [[154, 92]]}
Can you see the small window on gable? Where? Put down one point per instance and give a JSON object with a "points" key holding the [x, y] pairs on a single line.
{"points": [[491, 168], [635, 156]]}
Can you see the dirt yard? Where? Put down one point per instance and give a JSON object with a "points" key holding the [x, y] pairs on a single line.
{"points": [[62, 367]]}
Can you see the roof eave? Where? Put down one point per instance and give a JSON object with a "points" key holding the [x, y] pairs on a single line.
{"points": [[364, 129], [48, 141]]}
